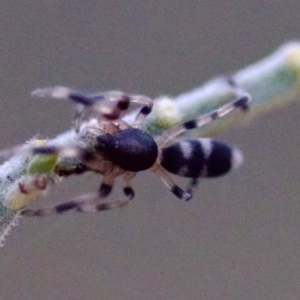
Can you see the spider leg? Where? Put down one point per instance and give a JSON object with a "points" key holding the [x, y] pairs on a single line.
{"points": [[185, 195], [238, 91], [128, 192], [91, 202], [241, 102], [87, 202], [62, 92], [61, 208], [127, 189], [122, 102], [145, 110], [105, 190], [109, 105], [192, 185]]}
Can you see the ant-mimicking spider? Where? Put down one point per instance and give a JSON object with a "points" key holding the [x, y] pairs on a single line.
{"points": [[123, 149]]}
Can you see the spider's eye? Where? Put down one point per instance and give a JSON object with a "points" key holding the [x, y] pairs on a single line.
{"points": [[201, 158]]}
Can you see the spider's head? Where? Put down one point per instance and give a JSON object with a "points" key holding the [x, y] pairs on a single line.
{"points": [[131, 149]]}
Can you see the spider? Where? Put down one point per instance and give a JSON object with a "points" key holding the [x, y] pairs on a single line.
{"points": [[123, 150]]}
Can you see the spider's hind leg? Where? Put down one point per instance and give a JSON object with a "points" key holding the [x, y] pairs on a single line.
{"points": [[194, 182], [242, 103], [185, 195]]}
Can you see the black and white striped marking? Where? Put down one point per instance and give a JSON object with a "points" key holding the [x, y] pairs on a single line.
{"points": [[198, 158]]}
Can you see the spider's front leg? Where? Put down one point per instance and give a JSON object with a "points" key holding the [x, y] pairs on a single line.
{"points": [[109, 106], [86, 202], [91, 202]]}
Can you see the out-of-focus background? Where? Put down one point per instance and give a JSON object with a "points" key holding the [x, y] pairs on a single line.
{"points": [[239, 236]]}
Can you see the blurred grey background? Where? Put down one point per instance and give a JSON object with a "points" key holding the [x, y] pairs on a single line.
{"points": [[237, 239]]}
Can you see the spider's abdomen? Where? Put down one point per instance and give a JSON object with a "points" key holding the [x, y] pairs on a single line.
{"points": [[200, 158], [131, 149]]}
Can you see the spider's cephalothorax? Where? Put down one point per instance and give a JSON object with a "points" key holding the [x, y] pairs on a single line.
{"points": [[122, 149], [131, 149]]}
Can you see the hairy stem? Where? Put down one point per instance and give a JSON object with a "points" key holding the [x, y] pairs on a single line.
{"points": [[271, 82]]}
